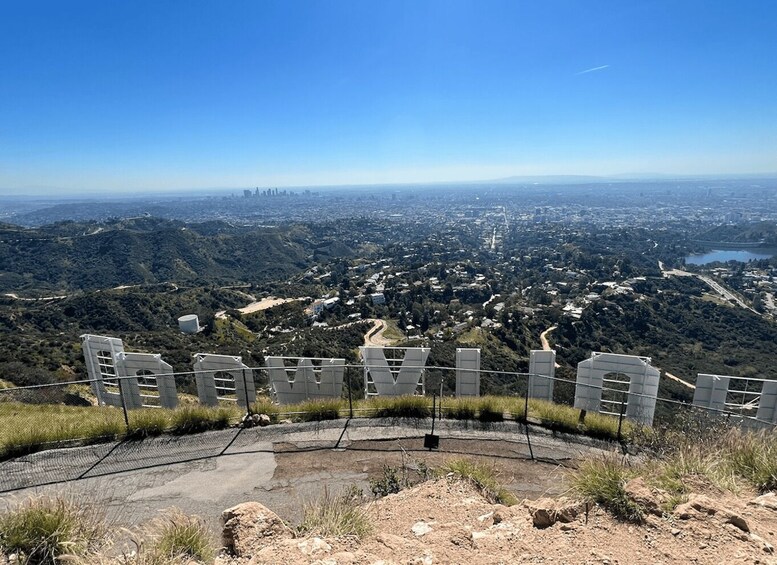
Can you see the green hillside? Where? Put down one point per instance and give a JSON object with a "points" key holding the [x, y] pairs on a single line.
{"points": [[64, 257]]}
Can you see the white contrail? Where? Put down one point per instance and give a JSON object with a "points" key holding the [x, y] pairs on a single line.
{"points": [[592, 70]]}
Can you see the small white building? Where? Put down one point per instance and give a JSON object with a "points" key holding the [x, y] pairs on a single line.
{"points": [[189, 324], [378, 298]]}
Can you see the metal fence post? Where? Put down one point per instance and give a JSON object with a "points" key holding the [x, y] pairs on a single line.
{"points": [[350, 395], [442, 380], [123, 402], [620, 417], [245, 393], [526, 423]]}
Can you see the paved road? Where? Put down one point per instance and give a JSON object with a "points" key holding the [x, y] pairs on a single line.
{"points": [[724, 293], [280, 466]]}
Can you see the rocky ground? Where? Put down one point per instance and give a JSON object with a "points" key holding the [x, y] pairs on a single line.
{"points": [[439, 521], [449, 521]]}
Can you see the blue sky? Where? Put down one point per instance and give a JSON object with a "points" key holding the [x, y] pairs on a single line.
{"points": [[141, 95]]}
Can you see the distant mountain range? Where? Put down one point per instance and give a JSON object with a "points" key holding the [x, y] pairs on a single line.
{"points": [[627, 177], [49, 193]]}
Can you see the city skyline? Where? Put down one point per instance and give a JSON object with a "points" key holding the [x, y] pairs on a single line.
{"points": [[119, 98]]}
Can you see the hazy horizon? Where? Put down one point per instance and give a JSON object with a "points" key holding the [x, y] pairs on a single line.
{"points": [[549, 180]]}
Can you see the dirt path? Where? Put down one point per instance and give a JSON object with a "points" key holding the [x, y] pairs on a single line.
{"points": [[545, 343], [375, 337], [42, 298], [259, 305], [264, 304], [679, 380], [544, 338]]}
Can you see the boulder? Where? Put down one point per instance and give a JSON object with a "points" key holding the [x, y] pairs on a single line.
{"points": [[249, 526], [547, 511]]}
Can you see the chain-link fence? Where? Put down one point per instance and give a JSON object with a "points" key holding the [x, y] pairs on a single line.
{"points": [[104, 417]]}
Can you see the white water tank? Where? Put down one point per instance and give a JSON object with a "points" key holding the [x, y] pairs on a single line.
{"points": [[189, 324]]}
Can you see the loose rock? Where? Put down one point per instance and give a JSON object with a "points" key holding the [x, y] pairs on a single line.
{"points": [[768, 500], [546, 511], [421, 529], [649, 499], [264, 420], [765, 545], [248, 525], [698, 503], [313, 546]]}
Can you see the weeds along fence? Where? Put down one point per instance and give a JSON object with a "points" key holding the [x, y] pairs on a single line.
{"points": [[60, 415], [248, 391], [139, 397]]}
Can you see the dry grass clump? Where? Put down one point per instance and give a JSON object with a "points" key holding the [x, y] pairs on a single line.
{"points": [[463, 408], [309, 411], [42, 529], [482, 476], [188, 419], [26, 428], [563, 418], [557, 417], [603, 480], [752, 456], [333, 516], [484, 408], [604, 426], [732, 461], [399, 407], [147, 422], [319, 410], [197, 418], [266, 406], [491, 409], [728, 458], [173, 538], [516, 407], [678, 472]]}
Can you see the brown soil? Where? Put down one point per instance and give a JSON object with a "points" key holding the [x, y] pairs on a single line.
{"points": [[447, 521], [300, 475]]}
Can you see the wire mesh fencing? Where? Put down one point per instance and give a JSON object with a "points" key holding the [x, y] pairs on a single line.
{"points": [[104, 417]]}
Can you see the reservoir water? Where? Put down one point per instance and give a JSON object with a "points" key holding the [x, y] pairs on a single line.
{"points": [[724, 255]]}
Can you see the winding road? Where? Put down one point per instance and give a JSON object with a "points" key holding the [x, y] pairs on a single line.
{"points": [[724, 293], [544, 338], [545, 343], [375, 337]]}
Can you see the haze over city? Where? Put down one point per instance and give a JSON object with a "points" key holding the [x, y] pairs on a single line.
{"points": [[109, 98]]}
